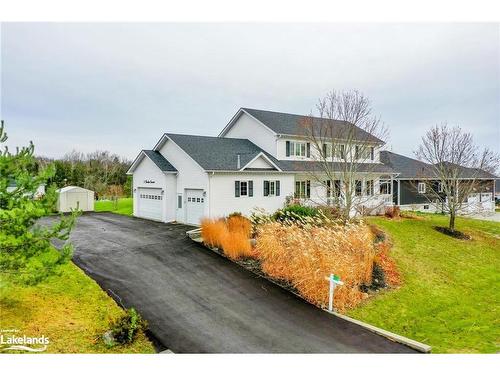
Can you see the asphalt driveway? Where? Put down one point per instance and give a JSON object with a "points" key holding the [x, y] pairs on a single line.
{"points": [[196, 301]]}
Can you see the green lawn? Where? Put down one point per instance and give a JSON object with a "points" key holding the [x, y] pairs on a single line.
{"points": [[70, 309], [450, 293], [124, 206]]}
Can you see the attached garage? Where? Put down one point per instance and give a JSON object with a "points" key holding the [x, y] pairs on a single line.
{"points": [[150, 203], [75, 198]]}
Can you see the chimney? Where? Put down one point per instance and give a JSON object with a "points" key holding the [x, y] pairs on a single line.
{"points": [[238, 161]]}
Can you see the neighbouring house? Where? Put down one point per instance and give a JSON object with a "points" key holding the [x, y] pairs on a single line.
{"points": [[415, 188], [261, 159], [75, 198], [40, 191]]}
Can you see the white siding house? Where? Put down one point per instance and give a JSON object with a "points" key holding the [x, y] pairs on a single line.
{"points": [[186, 178], [258, 160]]}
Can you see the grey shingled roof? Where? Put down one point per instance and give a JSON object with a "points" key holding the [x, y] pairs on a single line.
{"points": [[160, 161], [214, 153], [316, 166], [290, 124], [412, 168]]}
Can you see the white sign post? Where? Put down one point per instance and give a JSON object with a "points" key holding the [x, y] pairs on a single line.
{"points": [[334, 281]]}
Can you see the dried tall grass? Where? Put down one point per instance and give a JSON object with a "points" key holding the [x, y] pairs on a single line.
{"points": [[213, 232], [239, 224], [305, 254], [231, 235]]}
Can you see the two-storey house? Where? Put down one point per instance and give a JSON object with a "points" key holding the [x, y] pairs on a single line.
{"points": [[259, 160]]}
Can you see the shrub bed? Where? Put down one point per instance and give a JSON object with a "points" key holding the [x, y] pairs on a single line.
{"points": [[305, 254]]}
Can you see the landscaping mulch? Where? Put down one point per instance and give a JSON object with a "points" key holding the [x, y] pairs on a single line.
{"points": [[455, 234]]}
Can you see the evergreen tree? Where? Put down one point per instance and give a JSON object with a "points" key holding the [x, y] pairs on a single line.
{"points": [[26, 251]]}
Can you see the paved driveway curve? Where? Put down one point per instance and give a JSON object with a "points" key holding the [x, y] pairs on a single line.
{"points": [[196, 301]]}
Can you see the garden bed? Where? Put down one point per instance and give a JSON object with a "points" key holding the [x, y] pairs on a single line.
{"points": [[300, 253]]}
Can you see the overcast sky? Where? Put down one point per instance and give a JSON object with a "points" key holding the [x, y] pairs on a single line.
{"points": [[118, 87]]}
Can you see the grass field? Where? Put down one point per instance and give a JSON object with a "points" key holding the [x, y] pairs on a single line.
{"points": [[70, 309], [124, 206], [450, 294]]}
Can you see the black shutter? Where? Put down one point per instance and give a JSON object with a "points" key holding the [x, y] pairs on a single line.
{"points": [[250, 188], [324, 150], [328, 188], [287, 148], [277, 188], [308, 189], [266, 188], [308, 150], [236, 188], [372, 153]]}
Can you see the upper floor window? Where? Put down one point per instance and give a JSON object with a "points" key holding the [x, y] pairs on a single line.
{"points": [[364, 152], [295, 148], [333, 150]]}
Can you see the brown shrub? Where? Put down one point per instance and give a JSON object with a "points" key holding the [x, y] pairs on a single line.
{"points": [[305, 255], [393, 212], [231, 235], [388, 265]]}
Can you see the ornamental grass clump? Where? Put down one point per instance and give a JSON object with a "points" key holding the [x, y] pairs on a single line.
{"points": [[213, 232], [231, 235], [305, 253]]}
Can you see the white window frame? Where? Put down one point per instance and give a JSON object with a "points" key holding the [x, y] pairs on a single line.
{"points": [[421, 187], [356, 194], [296, 149], [387, 183], [241, 188], [440, 187], [370, 192], [302, 193], [272, 188]]}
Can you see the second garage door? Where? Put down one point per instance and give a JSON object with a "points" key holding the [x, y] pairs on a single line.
{"points": [[195, 202], [150, 203]]}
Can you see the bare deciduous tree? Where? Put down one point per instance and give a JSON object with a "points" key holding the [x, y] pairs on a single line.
{"points": [[344, 137], [457, 165]]}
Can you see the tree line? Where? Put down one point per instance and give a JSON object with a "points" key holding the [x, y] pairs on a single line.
{"points": [[100, 171]]}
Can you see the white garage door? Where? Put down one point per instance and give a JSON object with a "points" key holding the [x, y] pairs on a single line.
{"points": [[150, 203], [77, 201], [194, 206]]}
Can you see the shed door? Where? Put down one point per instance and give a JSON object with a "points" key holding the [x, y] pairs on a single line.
{"points": [[195, 203], [150, 203], [77, 200]]}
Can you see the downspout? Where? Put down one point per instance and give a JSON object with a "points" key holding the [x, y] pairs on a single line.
{"points": [[399, 192], [209, 193]]}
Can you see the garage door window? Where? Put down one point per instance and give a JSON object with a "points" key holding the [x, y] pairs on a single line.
{"points": [[151, 196]]}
